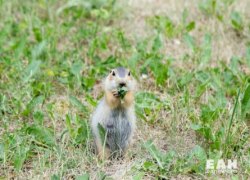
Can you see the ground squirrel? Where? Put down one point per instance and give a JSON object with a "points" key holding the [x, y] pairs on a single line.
{"points": [[115, 114]]}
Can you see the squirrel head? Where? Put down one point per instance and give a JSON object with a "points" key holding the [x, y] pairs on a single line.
{"points": [[120, 77]]}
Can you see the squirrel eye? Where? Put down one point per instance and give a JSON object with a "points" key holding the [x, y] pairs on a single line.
{"points": [[129, 73], [113, 73]]}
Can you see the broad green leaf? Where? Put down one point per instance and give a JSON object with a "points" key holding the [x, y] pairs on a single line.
{"points": [[197, 159], [206, 49], [133, 61], [190, 26], [74, 101], [199, 153], [31, 70], [169, 157], [91, 100], [139, 176], [38, 117], [245, 103], [36, 101], [201, 89], [155, 153], [184, 15], [160, 72], [236, 21], [147, 165], [195, 127], [74, 3], [78, 129], [83, 177], [20, 156], [164, 24], [123, 40], [33, 103], [42, 134], [82, 130], [1, 152], [170, 28], [38, 50], [159, 68], [76, 68], [69, 126], [207, 6], [54, 177], [189, 40], [202, 76], [248, 56], [101, 175], [186, 79], [221, 100], [234, 65], [148, 104], [147, 100], [86, 5], [157, 44], [100, 13], [209, 113]]}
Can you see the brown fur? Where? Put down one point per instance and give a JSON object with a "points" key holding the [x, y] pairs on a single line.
{"points": [[114, 102], [128, 99], [111, 100]]}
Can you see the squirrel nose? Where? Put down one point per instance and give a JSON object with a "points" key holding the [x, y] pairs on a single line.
{"points": [[122, 84]]}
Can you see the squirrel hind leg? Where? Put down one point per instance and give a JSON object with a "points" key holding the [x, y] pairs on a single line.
{"points": [[102, 151]]}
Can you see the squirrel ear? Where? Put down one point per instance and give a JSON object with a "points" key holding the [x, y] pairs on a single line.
{"points": [[129, 73]]}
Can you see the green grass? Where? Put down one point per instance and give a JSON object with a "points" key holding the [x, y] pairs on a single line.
{"points": [[193, 105]]}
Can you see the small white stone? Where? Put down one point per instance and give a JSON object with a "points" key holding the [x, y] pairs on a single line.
{"points": [[177, 41], [144, 76]]}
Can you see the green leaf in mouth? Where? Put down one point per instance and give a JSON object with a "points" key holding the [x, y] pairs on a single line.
{"points": [[122, 92]]}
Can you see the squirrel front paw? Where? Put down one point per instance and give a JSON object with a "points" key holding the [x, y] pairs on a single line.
{"points": [[115, 93]]}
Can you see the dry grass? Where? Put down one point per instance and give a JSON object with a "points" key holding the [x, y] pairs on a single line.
{"points": [[225, 45], [171, 132]]}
